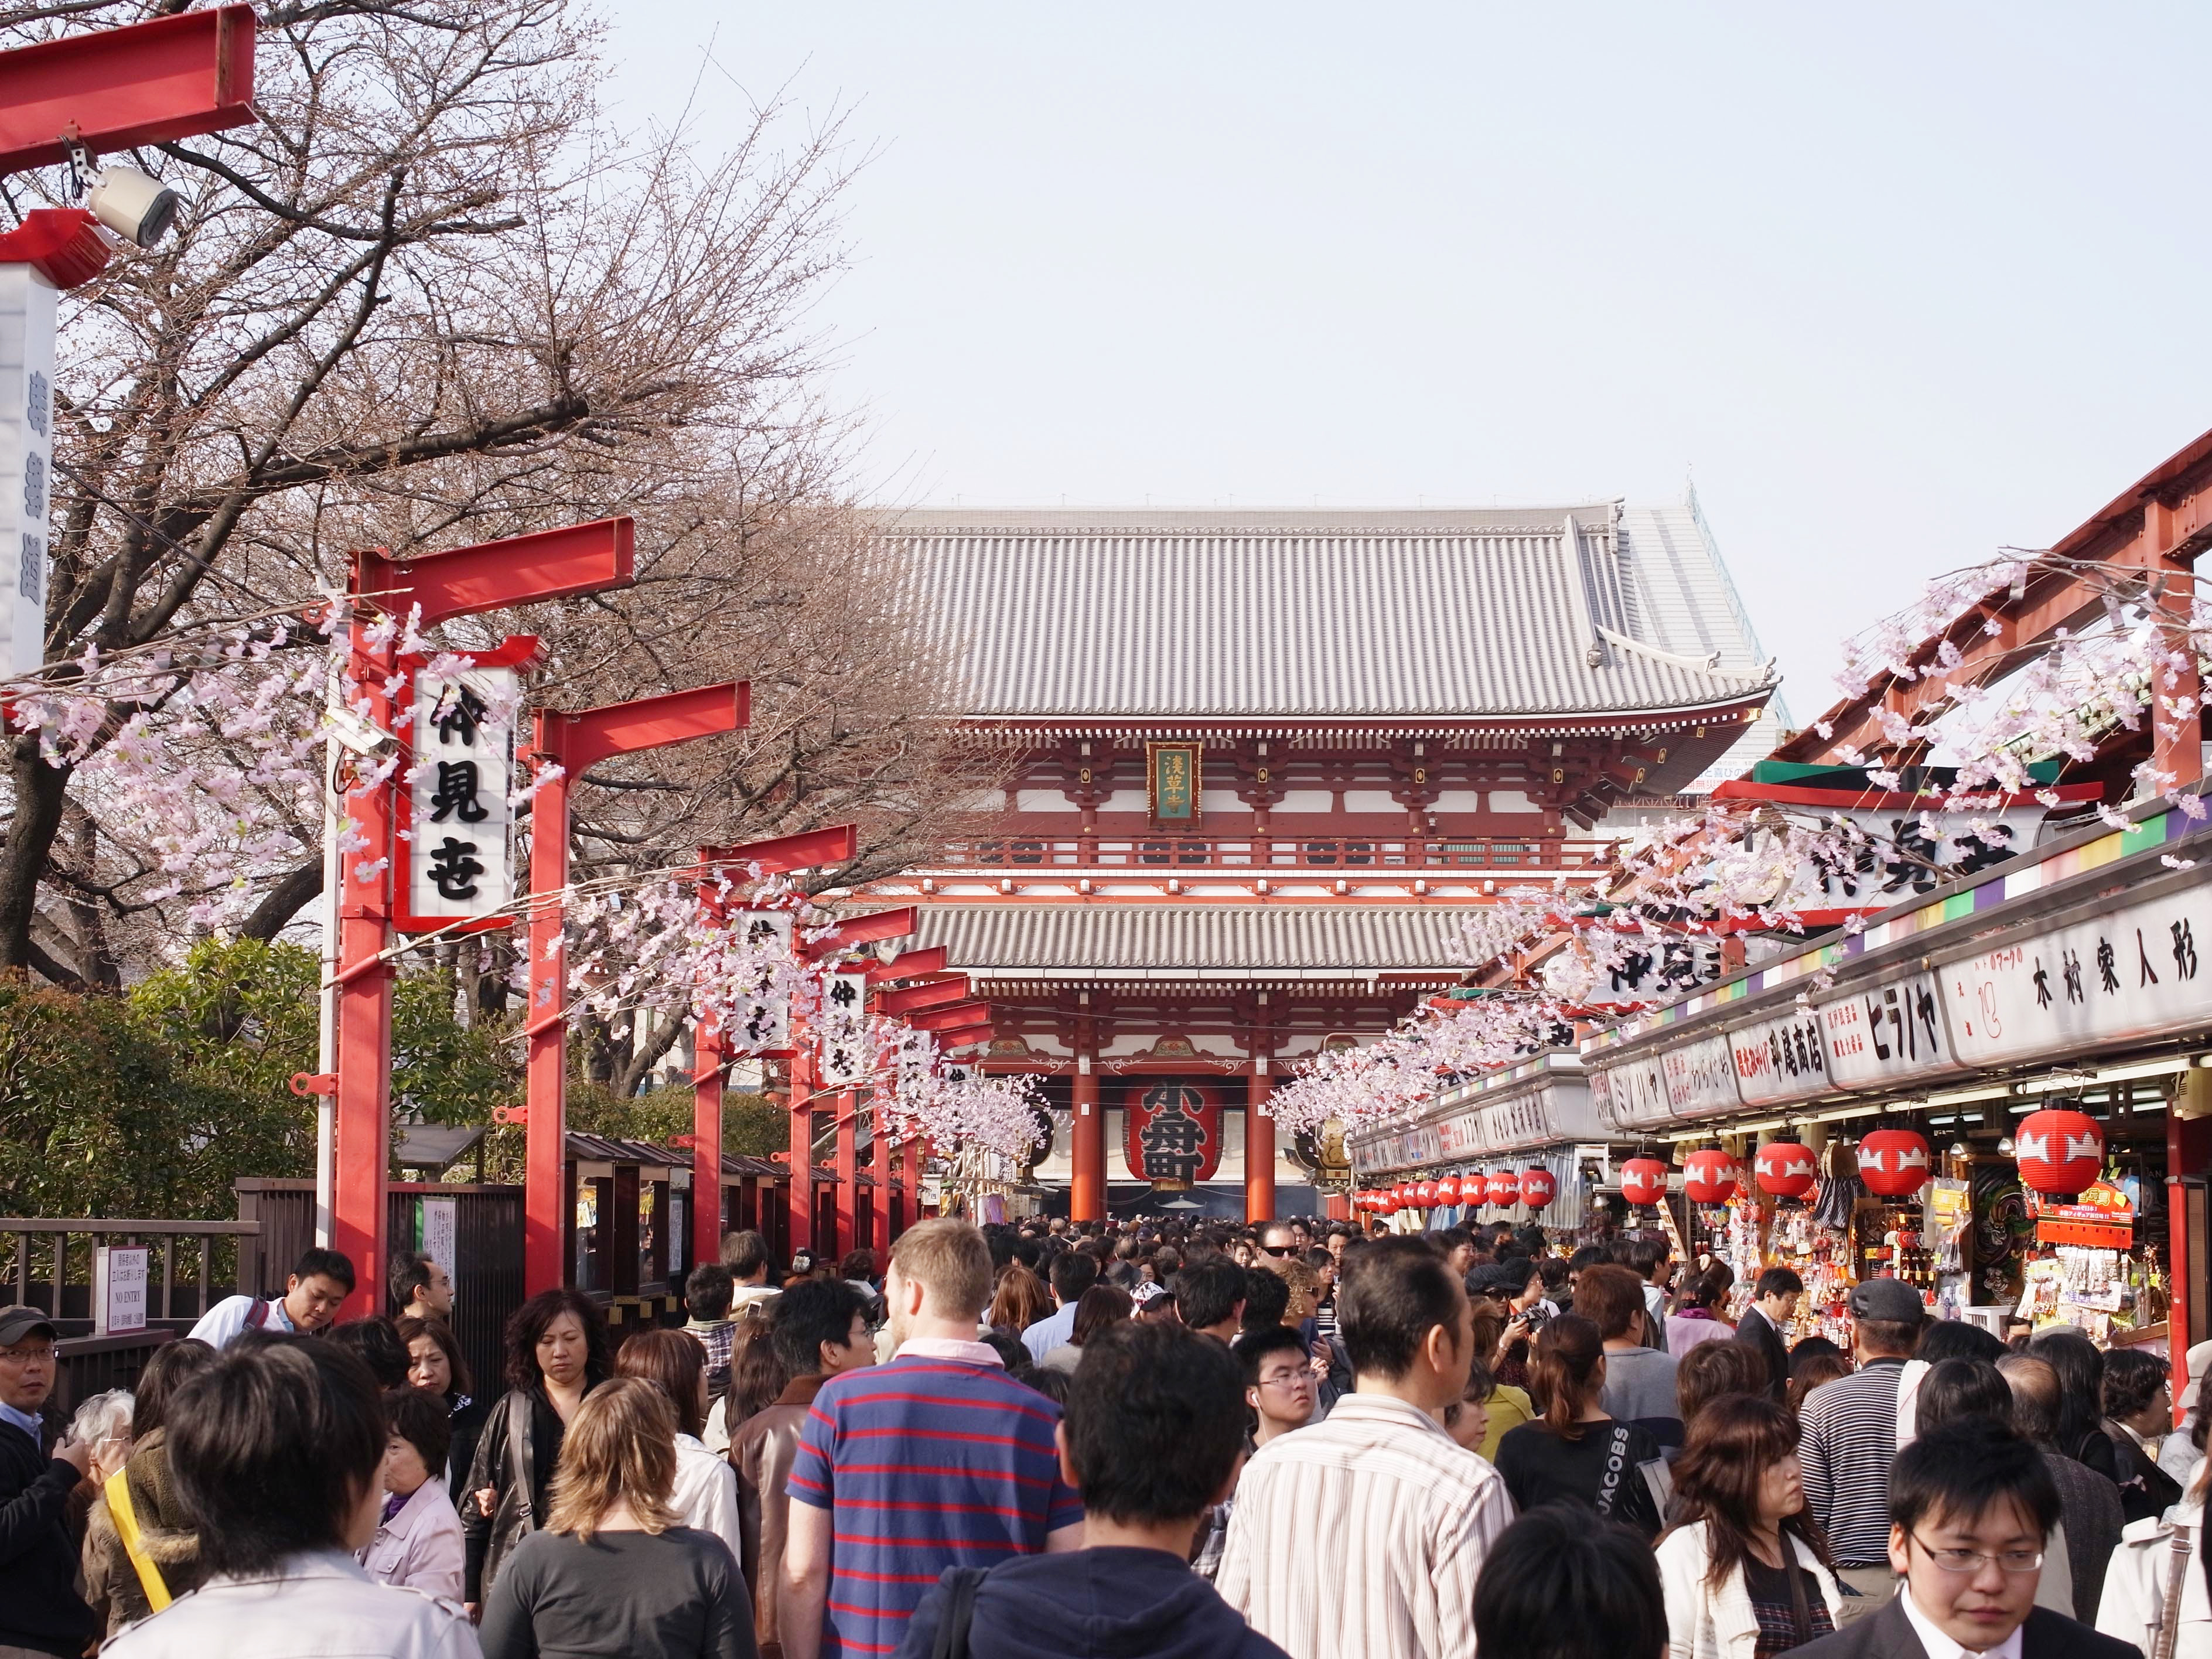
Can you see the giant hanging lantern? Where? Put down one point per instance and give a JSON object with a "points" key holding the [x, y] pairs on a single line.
{"points": [[1708, 1177], [2060, 1150], [1538, 1187], [1787, 1170], [1644, 1180], [1504, 1188], [1893, 1162], [1424, 1194], [1448, 1189], [1171, 1133]]}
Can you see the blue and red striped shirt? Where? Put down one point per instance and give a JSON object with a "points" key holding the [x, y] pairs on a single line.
{"points": [[924, 1464]]}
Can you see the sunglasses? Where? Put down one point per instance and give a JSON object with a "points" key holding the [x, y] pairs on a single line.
{"points": [[1279, 1249]]}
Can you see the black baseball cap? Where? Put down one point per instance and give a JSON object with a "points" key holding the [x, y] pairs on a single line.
{"points": [[18, 1322], [1887, 1298]]}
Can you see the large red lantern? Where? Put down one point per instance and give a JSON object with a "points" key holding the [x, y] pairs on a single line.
{"points": [[2061, 1151], [1387, 1204], [1448, 1189], [1787, 1170], [1171, 1133], [1893, 1162], [1424, 1194], [1362, 1201], [1538, 1188], [1709, 1177], [1644, 1180], [1504, 1188]]}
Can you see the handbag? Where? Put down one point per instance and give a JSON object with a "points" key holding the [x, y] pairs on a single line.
{"points": [[125, 1514], [961, 1586], [2169, 1616]]}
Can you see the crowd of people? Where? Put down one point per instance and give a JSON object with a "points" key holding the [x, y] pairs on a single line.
{"points": [[1143, 1439]]}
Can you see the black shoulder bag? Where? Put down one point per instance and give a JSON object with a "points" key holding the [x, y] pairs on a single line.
{"points": [[960, 1585]]}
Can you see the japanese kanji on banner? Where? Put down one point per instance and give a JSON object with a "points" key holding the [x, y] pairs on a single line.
{"points": [[846, 1061], [1171, 1133], [458, 852], [766, 1026]]}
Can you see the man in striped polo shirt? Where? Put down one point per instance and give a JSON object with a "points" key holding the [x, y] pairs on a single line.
{"points": [[936, 1459], [1850, 1430]]}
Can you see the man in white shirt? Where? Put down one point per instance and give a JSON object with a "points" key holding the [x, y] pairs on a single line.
{"points": [[1364, 1533], [1970, 1506], [746, 1254], [312, 1295], [1072, 1273]]}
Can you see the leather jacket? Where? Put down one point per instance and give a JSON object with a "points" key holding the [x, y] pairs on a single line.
{"points": [[520, 1443], [766, 1446]]}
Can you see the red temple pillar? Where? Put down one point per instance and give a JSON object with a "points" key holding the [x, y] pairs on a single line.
{"points": [[879, 1216], [1087, 1151], [1259, 1145], [801, 1195], [848, 1173], [2188, 1151], [914, 1181]]}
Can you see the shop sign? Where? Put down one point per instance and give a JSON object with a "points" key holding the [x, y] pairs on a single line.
{"points": [[1780, 1061], [2133, 974], [1884, 1034], [2102, 1216], [1893, 856], [458, 849], [1700, 1077], [1632, 1095], [1676, 967]]}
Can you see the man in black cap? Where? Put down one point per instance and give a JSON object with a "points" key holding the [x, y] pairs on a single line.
{"points": [[1849, 1437], [40, 1612]]}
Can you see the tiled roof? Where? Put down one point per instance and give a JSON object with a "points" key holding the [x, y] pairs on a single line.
{"points": [[1268, 613], [1157, 940]]}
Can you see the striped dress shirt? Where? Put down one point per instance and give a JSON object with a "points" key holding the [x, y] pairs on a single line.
{"points": [[1849, 1439], [1362, 1535]]}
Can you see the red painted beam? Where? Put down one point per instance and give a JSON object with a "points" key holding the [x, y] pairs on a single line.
{"points": [[912, 998], [870, 929], [782, 855], [171, 78], [966, 1036], [907, 964], [951, 1018], [63, 244], [581, 740], [551, 564]]}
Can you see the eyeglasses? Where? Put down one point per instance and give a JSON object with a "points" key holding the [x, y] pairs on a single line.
{"points": [[1284, 1379], [44, 1356], [1279, 1249], [1962, 1562]]}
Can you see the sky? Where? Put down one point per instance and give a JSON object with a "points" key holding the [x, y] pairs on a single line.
{"points": [[1896, 286]]}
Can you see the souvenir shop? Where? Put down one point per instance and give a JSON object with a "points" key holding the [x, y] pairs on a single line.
{"points": [[1996, 1091]]}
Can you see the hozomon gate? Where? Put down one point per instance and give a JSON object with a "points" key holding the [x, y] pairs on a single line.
{"points": [[1269, 762]]}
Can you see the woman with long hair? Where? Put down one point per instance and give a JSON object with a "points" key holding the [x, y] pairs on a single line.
{"points": [[435, 1362], [1575, 1453], [1020, 1301], [556, 1354], [2080, 1363], [613, 1570], [705, 1495], [1745, 1569], [1701, 1308]]}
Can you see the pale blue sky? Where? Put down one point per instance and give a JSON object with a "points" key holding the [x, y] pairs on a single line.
{"points": [[1902, 284]]}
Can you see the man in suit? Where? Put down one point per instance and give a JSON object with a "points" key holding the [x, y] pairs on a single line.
{"points": [[1969, 1505], [1774, 1306]]}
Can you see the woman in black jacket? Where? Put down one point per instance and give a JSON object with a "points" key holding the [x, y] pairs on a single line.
{"points": [[556, 1354], [2080, 1363]]}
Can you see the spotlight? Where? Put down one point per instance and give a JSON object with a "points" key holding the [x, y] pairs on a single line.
{"points": [[135, 206]]}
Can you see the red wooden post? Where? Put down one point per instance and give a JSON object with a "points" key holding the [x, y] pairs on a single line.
{"points": [[1259, 1146], [914, 1180], [855, 931], [801, 1196], [1087, 1195], [575, 743], [848, 1173]]}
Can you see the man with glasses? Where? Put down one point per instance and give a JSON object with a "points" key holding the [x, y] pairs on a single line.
{"points": [[40, 1612], [1970, 1504], [1280, 1240]]}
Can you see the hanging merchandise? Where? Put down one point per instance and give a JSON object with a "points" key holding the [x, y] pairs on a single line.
{"points": [[1709, 1177], [1785, 1169], [1894, 1162], [1504, 1188], [1538, 1187], [1644, 1180], [1840, 1188], [2060, 1151]]}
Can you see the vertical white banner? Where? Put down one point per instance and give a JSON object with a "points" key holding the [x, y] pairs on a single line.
{"points": [[460, 860], [766, 1026], [26, 459], [844, 1030], [441, 1233]]}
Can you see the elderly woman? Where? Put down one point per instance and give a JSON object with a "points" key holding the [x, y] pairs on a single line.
{"points": [[115, 1585]]}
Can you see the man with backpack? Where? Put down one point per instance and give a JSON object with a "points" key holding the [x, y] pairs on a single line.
{"points": [[1154, 1429], [318, 1285]]}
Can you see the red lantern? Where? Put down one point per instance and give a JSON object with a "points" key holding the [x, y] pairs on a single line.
{"points": [[1171, 1133], [2060, 1151], [1787, 1170], [1361, 1201], [1538, 1188], [1709, 1177], [1504, 1188], [1448, 1189], [1644, 1180], [1403, 1192], [1387, 1204], [1425, 1195], [1893, 1162]]}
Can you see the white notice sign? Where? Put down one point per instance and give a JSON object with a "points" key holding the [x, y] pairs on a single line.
{"points": [[119, 1277], [442, 1234], [460, 856], [26, 461]]}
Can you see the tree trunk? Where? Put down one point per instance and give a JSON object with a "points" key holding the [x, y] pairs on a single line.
{"points": [[283, 902], [40, 793]]}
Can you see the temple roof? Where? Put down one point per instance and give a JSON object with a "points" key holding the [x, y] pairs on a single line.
{"points": [[1162, 941], [1267, 613]]}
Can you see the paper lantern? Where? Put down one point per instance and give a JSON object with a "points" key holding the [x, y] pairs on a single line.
{"points": [[1787, 1170], [1504, 1188], [1538, 1188], [1387, 1204], [1403, 1192], [1424, 1194], [1893, 1162], [1709, 1177], [1448, 1189], [2060, 1151], [1644, 1180], [1171, 1133]]}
